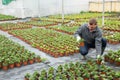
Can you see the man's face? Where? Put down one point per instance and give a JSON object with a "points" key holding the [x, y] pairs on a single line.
{"points": [[92, 27]]}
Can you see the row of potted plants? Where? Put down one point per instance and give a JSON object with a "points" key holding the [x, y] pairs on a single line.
{"points": [[82, 15], [75, 71], [114, 18], [40, 23], [74, 23], [109, 24], [64, 29], [113, 57], [6, 17], [50, 20], [13, 26], [49, 41], [13, 55], [112, 25], [113, 37]]}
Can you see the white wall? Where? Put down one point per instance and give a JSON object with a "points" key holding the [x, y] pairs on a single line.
{"points": [[34, 8], [14, 8], [48, 7], [30, 8], [75, 6]]}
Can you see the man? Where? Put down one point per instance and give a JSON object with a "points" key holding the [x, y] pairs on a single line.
{"points": [[92, 36]]}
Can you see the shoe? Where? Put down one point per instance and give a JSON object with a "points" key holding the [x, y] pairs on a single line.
{"points": [[83, 58], [102, 50]]}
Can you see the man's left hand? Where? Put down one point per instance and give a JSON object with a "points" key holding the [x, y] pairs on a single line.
{"points": [[98, 56]]}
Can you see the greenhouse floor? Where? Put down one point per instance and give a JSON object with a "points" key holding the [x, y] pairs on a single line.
{"points": [[19, 73]]}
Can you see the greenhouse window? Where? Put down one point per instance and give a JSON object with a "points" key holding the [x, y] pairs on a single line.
{"points": [[6, 2]]}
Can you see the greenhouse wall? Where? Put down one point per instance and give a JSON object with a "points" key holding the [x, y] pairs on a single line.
{"points": [[14, 8], [110, 6], [35, 8]]}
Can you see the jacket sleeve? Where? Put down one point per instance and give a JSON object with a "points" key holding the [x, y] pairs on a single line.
{"points": [[98, 43], [78, 32]]}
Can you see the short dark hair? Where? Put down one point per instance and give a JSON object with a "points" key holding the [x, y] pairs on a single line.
{"points": [[92, 21]]}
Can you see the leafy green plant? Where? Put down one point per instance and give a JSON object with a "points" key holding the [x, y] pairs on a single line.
{"points": [[60, 68], [72, 65], [110, 77], [81, 40], [5, 64], [96, 77], [50, 76], [27, 75], [36, 74], [86, 75], [80, 78], [44, 73], [51, 70], [63, 77], [117, 75]]}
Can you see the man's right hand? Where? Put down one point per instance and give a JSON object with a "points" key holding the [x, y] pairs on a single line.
{"points": [[78, 38]]}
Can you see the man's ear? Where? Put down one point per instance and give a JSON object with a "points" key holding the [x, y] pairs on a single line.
{"points": [[88, 24]]}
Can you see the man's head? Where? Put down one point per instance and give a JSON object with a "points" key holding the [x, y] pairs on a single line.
{"points": [[92, 24]]}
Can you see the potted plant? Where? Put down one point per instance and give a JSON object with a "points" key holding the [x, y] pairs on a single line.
{"points": [[11, 63], [43, 73], [106, 57], [86, 76], [77, 73], [99, 60], [60, 68], [102, 69], [96, 77], [112, 58], [108, 69], [17, 62], [117, 76], [90, 61], [32, 78], [79, 78], [1, 60], [93, 73], [81, 42], [63, 77], [5, 65], [25, 59], [57, 78], [77, 64], [72, 77], [27, 76], [50, 76], [31, 59], [38, 58], [66, 66], [117, 61], [110, 77], [42, 78], [51, 70], [36, 75], [71, 65]]}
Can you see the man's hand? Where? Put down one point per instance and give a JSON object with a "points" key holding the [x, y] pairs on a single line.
{"points": [[78, 38], [98, 56], [102, 62], [99, 59]]}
